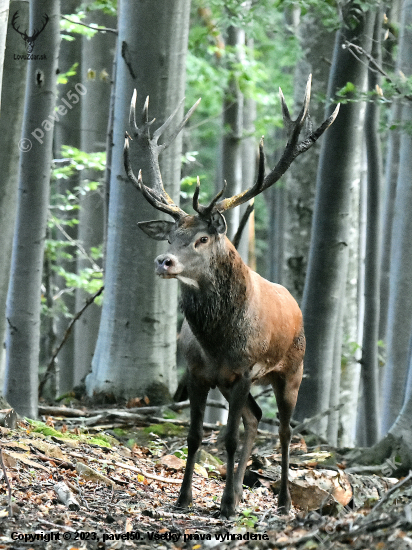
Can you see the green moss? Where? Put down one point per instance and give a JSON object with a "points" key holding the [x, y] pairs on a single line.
{"points": [[168, 429], [103, 440]]}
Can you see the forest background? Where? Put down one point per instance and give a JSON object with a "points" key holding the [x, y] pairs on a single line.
{"points": [[335, 231]]}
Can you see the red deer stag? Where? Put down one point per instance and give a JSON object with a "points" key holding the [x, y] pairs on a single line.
{"points": [[239, 328]]}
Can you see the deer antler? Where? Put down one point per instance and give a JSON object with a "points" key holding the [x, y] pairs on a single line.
{"points": [[293, 149], [157, 196]]}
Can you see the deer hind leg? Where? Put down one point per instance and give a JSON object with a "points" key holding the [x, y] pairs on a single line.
{"points": [[198, 392], [251, 415], [286, 390], [237, 397]]}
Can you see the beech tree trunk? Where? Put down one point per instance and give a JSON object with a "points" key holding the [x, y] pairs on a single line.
{"points": [[370, 374], [399, 324], [66, 132], [97, 54], [4, 17], [300, 180], [233, 132], [136, 347], [23, 300], [328, 259], [11, 120]]}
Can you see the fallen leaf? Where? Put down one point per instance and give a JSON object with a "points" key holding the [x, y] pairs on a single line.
{"points": [[173, 462], [9, 455], [93, 475]]}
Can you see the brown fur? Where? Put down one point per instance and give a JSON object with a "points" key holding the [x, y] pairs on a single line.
{"points": [[239, 330]]}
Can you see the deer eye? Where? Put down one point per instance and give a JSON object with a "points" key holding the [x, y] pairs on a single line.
{"points": [[202, 240]]}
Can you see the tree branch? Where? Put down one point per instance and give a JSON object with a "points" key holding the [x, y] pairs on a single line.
{"points": [[66, 335], [99, 29], [375, 65]]}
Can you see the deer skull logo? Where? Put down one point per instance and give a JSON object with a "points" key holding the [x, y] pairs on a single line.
{"points": [[29, 40]]}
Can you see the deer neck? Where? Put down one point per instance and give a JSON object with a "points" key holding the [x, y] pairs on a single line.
{"points": [[221, 301]]}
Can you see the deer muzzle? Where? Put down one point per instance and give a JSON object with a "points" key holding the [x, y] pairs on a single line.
{"points": [[167, 266]]}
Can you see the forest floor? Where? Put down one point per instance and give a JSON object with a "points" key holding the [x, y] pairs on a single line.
{"points": [[92, 479]]}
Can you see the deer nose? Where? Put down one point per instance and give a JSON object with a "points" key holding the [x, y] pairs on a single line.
{"points": [[164, 263]]}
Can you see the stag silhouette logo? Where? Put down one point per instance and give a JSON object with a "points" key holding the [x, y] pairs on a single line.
{"points": [[29, 40]]}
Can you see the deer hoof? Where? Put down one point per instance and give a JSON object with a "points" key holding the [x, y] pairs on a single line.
{"points": [[183, 503], [227, 510]]}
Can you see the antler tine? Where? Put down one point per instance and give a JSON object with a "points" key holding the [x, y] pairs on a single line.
{"points": [[285, 111], [145, 111], [314, 136], [205, 211], [292, 150], [196, 196], [296, 126], [261, 171], [132, 112], [305, 107], [159, 200], [166, 124]]}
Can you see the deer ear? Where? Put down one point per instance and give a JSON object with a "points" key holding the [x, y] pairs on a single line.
{"points": [[157, 229], [218, 222]]}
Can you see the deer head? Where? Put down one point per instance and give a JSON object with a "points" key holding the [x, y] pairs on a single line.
{"points": [[193, 238]]}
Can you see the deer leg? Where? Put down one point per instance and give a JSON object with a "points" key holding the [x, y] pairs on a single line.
{"points": [[198, 395], [286, 391], [237, 397], [251, 415]]}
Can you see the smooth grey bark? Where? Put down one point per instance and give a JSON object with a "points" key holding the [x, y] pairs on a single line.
{"points": [[352, 314], [370, 374], [136, 347], [4, 17], [398, 441], [399, 324], [300, 180], [328, 258], [391, 178], [11, 120], [232, 120], [249, 159], [231, 166], [23, 300], [97, 53], [276, 200], [66, 132]]}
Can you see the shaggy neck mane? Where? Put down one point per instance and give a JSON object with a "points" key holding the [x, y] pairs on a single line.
{"points": [[219, 304]]}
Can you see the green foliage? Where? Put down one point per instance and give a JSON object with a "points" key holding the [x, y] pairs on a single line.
{"points": [[325, 12], [101, 439], [106, 6], [167, 429], [60, 248], [247, 519], [68, 28], [181, 453], [63, 78], [350, 349], [211, 66]]}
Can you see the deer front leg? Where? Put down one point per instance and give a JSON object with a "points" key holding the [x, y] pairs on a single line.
{"points": [[238, 396], [198, 395]]}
